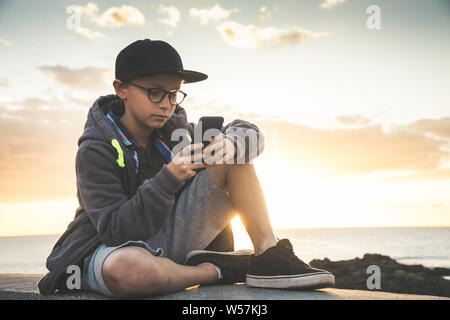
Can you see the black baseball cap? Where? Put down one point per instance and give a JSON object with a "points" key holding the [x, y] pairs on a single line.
{"points": [[148, 57]]}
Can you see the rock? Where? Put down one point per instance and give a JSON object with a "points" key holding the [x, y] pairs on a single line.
{"points": [[395, 277]]}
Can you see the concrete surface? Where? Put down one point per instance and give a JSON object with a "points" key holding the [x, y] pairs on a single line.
{"points": [[24, 287]]}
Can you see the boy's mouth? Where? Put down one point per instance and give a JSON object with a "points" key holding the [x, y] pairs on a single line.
{"points": [[160, 116]]}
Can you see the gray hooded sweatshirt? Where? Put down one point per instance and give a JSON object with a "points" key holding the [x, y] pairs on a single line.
{"points": [[113, 208]]}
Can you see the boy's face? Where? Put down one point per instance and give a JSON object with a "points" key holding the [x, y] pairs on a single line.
{"points": [[138, 105]]}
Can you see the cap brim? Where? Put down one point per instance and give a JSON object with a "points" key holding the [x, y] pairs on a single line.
{"points": [[190, 76]]}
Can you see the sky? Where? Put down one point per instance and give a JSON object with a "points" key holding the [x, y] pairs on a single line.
{"points": [[353, 101]]}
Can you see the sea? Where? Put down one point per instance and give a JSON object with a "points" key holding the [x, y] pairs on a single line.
{"points": [[429, 246]]}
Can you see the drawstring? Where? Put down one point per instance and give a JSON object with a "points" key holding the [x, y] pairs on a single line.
{"points": [[119, 160], [160, 144]]}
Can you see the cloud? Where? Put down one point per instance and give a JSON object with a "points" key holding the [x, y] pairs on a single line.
{"points": [[214, 14], [438, 127], [120, 16], [251, 37], [353, 120], [36, 109], [367, 151], [112, 17], [5, 42], [88, 78], [173, 15], [328, 4], [86, 33], [89, 11], [39, 142], [361, 151]]}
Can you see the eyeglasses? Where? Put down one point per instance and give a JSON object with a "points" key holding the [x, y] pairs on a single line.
{"points": [[156, 95]]}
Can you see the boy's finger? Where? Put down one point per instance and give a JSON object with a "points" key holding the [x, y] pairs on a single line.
{"points": [[219, 151], [222, 157], [190, 173], [216, 146], [197, 165], [178, 159], [195, 157], [192, 147], [218, 137]]}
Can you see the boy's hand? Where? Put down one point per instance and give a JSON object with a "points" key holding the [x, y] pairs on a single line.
{"points": [[189, 158], [224, 150]]}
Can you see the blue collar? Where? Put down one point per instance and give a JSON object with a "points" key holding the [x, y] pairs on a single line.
{"points": [[129, 140], [126, 136]]}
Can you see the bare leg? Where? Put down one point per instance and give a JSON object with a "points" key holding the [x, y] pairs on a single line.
{"points": [[133, 271], [247, 197]]}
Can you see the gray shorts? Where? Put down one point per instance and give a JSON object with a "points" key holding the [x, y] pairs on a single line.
{"points": [[201, 212]]}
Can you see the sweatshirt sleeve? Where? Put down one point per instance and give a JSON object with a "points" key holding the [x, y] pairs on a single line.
{"points": [[247, 138], [116, 218]]}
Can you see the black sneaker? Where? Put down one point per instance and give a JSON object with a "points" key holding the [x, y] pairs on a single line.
{"points": [[279, 267], [233, 264]]}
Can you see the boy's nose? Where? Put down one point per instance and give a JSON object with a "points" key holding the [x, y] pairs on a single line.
{"points": [[165, 103]]}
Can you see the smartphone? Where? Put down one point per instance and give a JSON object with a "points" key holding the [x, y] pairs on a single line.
{"points": [[210, 123]]}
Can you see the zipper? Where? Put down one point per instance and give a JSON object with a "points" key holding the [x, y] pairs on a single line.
{"points": [[133, 169]]}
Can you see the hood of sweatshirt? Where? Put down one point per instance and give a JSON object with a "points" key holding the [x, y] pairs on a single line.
{"points": [[98, 127]]}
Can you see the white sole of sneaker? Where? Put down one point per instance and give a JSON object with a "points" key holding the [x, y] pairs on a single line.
{"points": [[234, 253], [308, 281]]}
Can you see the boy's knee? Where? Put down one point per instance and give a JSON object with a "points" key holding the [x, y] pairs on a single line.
{"points": [[130, 271]]}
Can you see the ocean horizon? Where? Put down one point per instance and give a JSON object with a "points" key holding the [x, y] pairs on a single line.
{"points": [[429, 246]]}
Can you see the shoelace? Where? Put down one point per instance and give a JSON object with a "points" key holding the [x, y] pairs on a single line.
{"points": [[288, 255]]}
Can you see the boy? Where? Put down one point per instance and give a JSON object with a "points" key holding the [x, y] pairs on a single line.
{"points": [[146, 215]]}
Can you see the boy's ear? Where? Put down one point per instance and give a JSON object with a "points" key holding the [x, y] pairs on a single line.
{"points": [[120, 88]]}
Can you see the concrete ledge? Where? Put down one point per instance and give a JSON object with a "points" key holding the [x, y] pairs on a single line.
{"points": [[23, 287]]}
